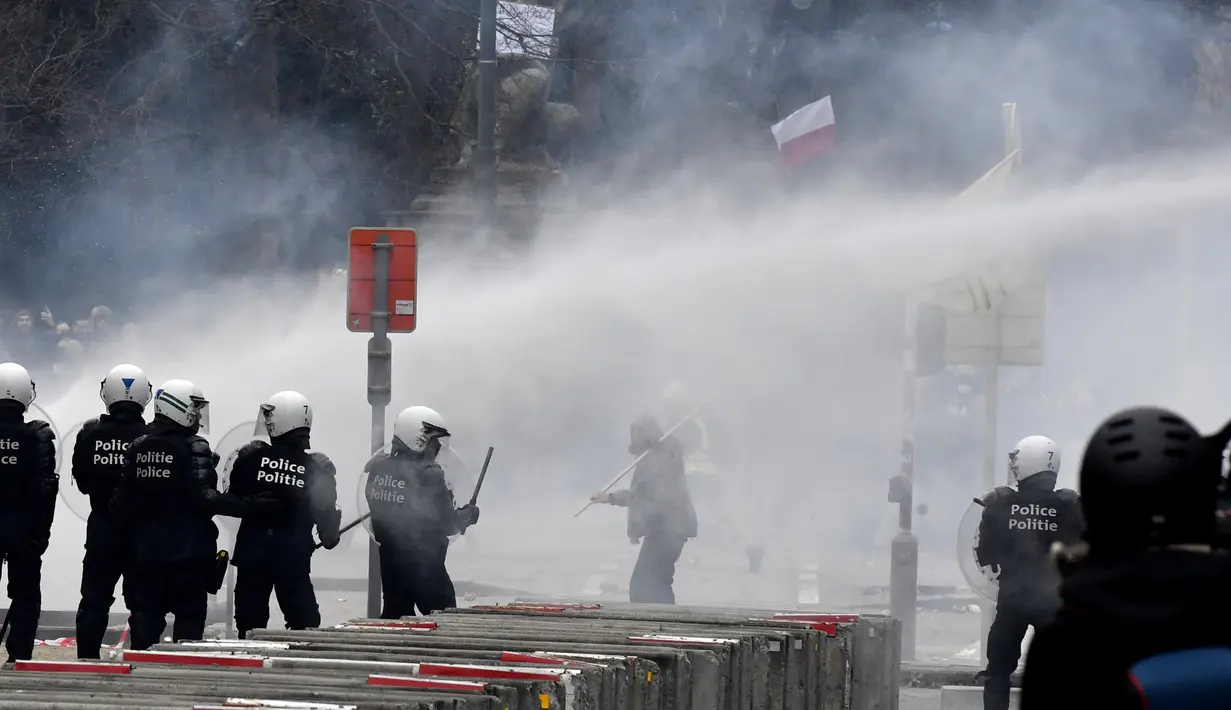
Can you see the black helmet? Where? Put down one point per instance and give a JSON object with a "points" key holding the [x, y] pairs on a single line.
{"points": [[1148, 479]]}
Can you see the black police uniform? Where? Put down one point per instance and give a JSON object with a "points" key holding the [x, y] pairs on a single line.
{"points": [[273, 549], [413, 516], [166, 501], [28, 488], [1016, 535], [661, 515], [98, 463]]}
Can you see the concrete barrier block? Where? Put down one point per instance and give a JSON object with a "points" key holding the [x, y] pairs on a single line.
{"points": [[660, 667], [876, 689], [526, 656], [756, 655], [876, 657], [970, 697]]}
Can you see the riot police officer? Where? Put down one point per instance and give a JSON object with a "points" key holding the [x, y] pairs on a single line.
{"points": [[98, 462], [273, 549], [166, 500], [28, 488], [1145, 620], [1016, 534], [413, 516]]}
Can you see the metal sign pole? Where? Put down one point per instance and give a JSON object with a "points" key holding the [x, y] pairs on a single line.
{"points": [[380, 389], [230, 601], [991, 399], [904, 549]]}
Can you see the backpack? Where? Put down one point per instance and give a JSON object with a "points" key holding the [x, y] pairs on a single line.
{"points": [[1192, 679]]}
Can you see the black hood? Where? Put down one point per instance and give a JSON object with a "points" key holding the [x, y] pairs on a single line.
{"points": [[1040, 482], [163, 424], [11, 411], [1159, 587], [125, 412], [300, 438]]}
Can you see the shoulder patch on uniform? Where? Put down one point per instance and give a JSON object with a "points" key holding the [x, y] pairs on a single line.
{"points": [[997, 493], [322, 463], [1068, 495], [432, 470], [42, 430], [379, 457], [250, 448]]}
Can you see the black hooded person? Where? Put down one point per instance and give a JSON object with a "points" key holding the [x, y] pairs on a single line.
{"points": [[166, 500], [661, 516], [273, 549], [413, 515], [28, 488], [1145, 621], [98, 464]]}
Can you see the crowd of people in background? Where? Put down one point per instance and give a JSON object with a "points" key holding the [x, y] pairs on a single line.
{"points": [[53, 349]]}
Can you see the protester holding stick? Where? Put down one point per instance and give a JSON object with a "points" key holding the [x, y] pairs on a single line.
{"points": [[660, 512]]}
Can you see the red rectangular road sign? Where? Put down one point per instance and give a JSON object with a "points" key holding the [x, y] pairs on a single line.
{"points": [[361, 279]]}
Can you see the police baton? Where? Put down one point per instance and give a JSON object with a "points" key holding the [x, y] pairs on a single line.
{"points": [[474, 497], [347, 528]]}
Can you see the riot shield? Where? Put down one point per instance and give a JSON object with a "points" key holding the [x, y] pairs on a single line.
{"points": [[227, 450], [457, 472], [76, 501], [978, 578]]}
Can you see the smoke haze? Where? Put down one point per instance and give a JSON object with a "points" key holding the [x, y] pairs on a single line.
{"points": [[781, 303]]}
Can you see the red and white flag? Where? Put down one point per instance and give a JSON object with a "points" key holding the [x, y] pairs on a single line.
{"points": [[806, 134]]}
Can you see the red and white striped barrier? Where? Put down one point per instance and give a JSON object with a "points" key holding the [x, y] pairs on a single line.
{"points": [[62, 642], [184, 658], [682, 640], [239, 645], [73, 667], [824, 618], [825, 623], [546, 659], [397, 681], [466, 670], [390, 625], [71, 641], [232, 703], [536, 606]]}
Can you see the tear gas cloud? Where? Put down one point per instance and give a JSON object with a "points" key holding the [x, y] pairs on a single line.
{"points": [[785, 308]]}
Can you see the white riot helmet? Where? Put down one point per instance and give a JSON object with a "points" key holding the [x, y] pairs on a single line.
{"points": [[283, 412], [183, 403], [16, 385], [126, 383], [417, 427], [1033, 455]]}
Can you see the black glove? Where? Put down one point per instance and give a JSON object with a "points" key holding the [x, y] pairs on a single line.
{"points": [[467, 515], [331, 541]]}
